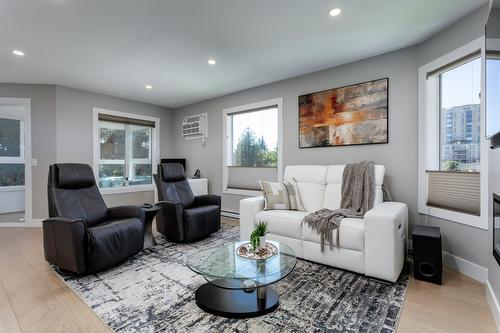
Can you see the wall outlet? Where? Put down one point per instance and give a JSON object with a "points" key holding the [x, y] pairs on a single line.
{"points": [[34, 162]]}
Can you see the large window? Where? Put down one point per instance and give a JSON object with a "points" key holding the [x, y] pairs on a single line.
{"points": [[251, 146], [125, 151], [452, 166], [460, 126]]}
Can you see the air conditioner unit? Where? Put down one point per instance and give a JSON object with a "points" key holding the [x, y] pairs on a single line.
{"points": [[195, 127]]}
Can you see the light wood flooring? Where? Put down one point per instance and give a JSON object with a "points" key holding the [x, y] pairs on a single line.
{"points": [[34, 299]]}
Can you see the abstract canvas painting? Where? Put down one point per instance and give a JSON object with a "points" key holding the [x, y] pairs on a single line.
{"points": [[352, 115]]}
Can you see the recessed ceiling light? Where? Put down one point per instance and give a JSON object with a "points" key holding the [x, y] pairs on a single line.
{"points": [[335, 12], [211, 62], [18, 53], [148, 87]]}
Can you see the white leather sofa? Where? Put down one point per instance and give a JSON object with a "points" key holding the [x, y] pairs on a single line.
{"points": [[374, 246]]}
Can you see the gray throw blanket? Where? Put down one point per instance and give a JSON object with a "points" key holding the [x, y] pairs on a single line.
{"points": [[358, 191]]}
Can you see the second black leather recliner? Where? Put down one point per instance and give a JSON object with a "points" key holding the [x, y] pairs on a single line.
{"points": [[184, 217], [82, 235]]}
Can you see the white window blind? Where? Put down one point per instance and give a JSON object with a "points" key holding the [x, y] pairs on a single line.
{"points": [[247, 178], [456, 191]]}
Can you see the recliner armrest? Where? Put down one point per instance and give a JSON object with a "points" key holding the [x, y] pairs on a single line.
{"points": [[126, 212], [65, 242], [172, 215], [386, 228], [208, 199]]}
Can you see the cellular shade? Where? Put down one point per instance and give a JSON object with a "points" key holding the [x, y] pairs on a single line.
{"points": [[457, 191], [247, 178], [125, 120]]}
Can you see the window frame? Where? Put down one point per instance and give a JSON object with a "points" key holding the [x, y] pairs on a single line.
{"points": [[155, 149], [429, 135], [227, 148]]}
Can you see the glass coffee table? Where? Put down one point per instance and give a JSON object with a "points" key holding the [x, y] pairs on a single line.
{"points": [[239, 287]]}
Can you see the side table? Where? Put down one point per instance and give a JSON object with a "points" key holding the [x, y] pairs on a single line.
{"points": [[150, 212]]}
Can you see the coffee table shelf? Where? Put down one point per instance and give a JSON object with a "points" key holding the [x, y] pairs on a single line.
{"points": [[239, 287]]}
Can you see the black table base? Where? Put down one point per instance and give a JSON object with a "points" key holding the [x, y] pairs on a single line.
{"points": [[236, 303]]}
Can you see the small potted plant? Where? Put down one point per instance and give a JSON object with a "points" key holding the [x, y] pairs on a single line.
{"points": [[258, 236]]}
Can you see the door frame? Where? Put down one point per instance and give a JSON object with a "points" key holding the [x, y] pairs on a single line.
{"points": [[28, 215]]}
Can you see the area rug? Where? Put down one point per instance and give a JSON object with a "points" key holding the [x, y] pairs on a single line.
{"points": [[154, 292]]}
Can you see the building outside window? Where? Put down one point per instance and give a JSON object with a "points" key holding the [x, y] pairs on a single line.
{"points": [[460, 105]]}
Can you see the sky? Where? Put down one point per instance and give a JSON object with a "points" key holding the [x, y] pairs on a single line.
{"points": [[264, 124], [461, 85]]}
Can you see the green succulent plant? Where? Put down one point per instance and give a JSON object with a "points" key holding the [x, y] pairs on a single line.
{"points": [[259, 231]]}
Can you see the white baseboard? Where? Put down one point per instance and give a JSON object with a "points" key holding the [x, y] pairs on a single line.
{"points": [[231, 215], [493, 303], [466, 267]]}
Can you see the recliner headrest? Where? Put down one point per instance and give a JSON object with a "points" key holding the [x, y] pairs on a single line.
{"points": [[74, 176], [172, 172]]}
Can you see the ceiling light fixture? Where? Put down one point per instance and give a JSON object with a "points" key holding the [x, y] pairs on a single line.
{"points": [[211, 62], [335, 12], [148, 87], [18, 53]]}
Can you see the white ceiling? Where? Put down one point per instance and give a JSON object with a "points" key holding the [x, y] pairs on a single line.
{"points": [[115, 47]]}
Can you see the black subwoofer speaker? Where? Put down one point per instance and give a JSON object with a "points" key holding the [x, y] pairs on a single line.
{"points": [[427, 261]]}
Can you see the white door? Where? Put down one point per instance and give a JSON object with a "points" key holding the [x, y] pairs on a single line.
{"points": [[15, 162]]}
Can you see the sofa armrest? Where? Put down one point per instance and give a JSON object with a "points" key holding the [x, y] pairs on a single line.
{"points": [[386, 228], [208, 199], [65, 243], [248, 209], [170, 219], [126, 212]]}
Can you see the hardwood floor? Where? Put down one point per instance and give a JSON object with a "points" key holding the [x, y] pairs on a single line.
{"points": [[34, 299]]}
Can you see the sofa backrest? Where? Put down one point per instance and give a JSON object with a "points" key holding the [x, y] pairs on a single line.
{"points": [[320, 185]]}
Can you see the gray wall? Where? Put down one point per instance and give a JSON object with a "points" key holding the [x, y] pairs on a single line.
{"points": [[460, 240], [62, 132], [43, 135], [493, 31], [399, 155], [74, 131]]}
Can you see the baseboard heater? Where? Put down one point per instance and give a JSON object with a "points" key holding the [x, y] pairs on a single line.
{"points": [[230, 214]]}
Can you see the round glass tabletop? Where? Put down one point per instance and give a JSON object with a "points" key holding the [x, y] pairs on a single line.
{"points": [[224, 268]]}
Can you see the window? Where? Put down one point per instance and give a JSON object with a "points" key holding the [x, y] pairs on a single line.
{"points": [[251, 146], [11, 151], [451, 138], [460, 107], [125, 152]]}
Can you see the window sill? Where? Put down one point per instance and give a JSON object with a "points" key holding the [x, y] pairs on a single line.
{"points": [[129, 189], [457, 217], [248, 193], [13, 188]]}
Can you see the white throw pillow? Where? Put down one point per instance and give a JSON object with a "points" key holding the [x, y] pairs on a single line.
{"points": [[284, 196]]}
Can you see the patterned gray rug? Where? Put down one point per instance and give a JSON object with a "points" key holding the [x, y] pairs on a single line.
{"points": [[154, 292]]}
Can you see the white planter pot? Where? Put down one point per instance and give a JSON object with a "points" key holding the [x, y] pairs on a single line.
{"points": [[262, 241]]}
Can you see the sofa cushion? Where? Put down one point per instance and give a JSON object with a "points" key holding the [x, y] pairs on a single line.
{"points": [[282, 222], [311, 181], [351, 234]]}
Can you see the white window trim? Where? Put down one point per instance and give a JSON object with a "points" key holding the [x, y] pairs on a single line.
{"points": [[227, 145], [428, 138], [155, 152], [28, 205]]}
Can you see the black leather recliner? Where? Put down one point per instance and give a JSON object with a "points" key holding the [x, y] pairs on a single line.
{"points": [[184, 217], [82, 235]]}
